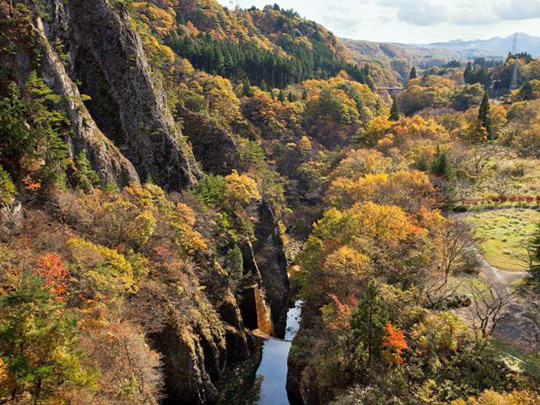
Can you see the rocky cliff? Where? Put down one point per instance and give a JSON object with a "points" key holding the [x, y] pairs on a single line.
{"points": [[105, 55]]}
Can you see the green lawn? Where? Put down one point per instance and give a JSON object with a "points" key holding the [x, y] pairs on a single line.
{"points": [[526, 361], [505, 233]]}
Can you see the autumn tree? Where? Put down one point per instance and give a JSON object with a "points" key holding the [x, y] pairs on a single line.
{"points": [[53, 270], [38, 342], [394, 343], [489, 302]]}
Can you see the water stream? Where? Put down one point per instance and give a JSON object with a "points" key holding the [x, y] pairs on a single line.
{"points": [[273, 368]]}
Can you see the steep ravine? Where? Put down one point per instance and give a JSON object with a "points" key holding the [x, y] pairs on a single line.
{"points": [[129, 135]]}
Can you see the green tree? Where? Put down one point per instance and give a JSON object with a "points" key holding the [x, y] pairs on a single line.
{"points": [[7, 188], [421, 164], [291, 97], [281, 96], [38, 343], [247, 91], [441, 165], [526, 92], [534, 256], [85, 177], [369, 319], [484, 117], [468, 74], [394, 111], [413, 75], [30, 127]]}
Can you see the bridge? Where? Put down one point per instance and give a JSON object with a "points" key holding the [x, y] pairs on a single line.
{"points": [[390, 88]]}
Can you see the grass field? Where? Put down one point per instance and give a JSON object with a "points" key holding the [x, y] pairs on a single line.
{"points": [[510, 175], [505, 234]]}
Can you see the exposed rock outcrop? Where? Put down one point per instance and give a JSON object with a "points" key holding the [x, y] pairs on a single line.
{"points": [[106, 55], [106, 159], [272, 265], [214, 147], [11, 219]]}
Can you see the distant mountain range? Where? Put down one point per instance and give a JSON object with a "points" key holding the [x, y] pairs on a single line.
{"points": [[497, 47], [399, 58]]}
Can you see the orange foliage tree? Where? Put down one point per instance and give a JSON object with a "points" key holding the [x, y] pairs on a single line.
{"points": [[52, 269], [394, 344]]}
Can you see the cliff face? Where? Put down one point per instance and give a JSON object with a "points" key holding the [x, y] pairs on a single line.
{"points": [[272, 265], [104, 155], [105, 55]]}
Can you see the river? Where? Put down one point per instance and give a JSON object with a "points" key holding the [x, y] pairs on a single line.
{"points": [[273, 368]]}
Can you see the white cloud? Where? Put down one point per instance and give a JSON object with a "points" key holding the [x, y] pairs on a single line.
{"points": [[519, 10], [416, 21]]}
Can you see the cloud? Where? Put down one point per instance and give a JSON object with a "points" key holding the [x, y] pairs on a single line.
{"points": [[462, 12], [422, 12], [340, 23], [517, 10]]}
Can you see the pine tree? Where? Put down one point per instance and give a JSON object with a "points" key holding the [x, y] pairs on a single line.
{"points": [[413, 74], [484, 117], [394, 111], [369, 319], [468, 74], [264, 86], [421, 164], [247, 91], [85, 177], [291, 97], [304, 95], [534, 256], [281, 96], [442, 166], [526, 92]]}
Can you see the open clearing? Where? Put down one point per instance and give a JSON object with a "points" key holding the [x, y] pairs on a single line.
{"points": [[505, 235]]}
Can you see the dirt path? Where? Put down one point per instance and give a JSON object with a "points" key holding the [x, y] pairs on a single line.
{"points": [[494, 275]]}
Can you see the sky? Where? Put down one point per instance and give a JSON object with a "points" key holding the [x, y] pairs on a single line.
{"points": [[415, 21]]}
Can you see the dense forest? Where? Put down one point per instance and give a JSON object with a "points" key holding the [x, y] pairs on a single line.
{"points": [[175, 174]]}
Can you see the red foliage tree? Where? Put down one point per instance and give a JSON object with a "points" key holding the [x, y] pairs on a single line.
{"points": [[394, 344], [52, 269]]}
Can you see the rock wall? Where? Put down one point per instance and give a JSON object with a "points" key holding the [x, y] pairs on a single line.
{"points": [[272, 264], [106, 56]]}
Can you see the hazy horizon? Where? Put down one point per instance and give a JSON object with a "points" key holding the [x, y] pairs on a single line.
{"points": [[416, 21]]}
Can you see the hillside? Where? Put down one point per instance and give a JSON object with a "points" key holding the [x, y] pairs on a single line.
{"points": [[396, 60], [271, 45], [497, 47], [206, 206]]}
